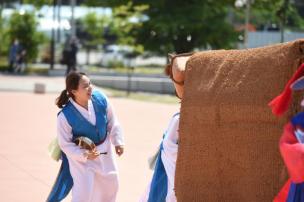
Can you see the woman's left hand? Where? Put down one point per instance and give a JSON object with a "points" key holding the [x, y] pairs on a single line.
{"points": [[119, 150]]}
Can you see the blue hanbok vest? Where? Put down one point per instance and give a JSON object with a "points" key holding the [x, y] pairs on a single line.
{"points": [[159, 184], [80, 127]]}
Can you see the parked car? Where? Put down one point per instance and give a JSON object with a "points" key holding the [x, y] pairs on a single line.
{"points": [[114, 55]]}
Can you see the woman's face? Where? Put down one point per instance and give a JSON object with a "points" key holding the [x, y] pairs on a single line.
{"points": [[178, 73], [84, 90]]}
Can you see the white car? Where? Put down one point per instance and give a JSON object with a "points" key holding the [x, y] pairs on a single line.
{"points": [[114, 55]]}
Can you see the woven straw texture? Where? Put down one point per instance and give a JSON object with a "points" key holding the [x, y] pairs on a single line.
{"points": [[228, 147]]}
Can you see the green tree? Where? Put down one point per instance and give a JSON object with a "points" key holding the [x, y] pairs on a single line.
{"points": [[181, 26], [3, 31], [91, 33], [38, 3], [265, 13], [126, 23], [24, 28], [1, 27]]}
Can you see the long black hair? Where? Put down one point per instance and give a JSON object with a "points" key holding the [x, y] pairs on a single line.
{"points": [[71, 83]]}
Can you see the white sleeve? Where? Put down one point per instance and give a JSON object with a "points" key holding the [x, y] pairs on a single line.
{"points": [[114, 129], [64, 133], [173, 129]]}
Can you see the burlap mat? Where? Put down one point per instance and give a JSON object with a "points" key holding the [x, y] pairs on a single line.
{"points": [[228, 148]]}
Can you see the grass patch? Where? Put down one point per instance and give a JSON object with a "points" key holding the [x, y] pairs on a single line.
{"points": [[35, 70], [3, 64], [28, 70], [138, 70], [149, 70], [3, 67]]}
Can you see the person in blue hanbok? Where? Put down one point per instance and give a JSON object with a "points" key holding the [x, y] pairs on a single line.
{"points": [[92, 175], [161, 188]]}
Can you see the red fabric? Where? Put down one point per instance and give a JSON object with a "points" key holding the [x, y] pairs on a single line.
{"points": [[293, 154], [280, 104], [283, 194]]}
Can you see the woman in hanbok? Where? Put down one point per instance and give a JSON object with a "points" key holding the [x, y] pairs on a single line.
{"points": [[91, 174], [161, 187]]}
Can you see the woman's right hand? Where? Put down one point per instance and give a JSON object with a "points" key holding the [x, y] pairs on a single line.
{"points": [[91, 155]]}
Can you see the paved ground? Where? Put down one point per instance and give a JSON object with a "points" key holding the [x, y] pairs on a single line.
{"points": [[28, 124]]}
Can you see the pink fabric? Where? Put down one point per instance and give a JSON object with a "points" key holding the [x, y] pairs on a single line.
{"points": [[293, 154]]}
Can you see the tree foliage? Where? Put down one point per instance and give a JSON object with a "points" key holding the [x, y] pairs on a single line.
{"points": [[92, 29], [180, 26], [38, 3], [126, 23], [24, 28], [270, 14], [4, 44], [90, 32]]}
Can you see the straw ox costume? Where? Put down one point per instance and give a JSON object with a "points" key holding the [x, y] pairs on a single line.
{"points": [[228, 138]]}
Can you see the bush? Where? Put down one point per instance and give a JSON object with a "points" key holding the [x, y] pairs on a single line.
{"points": [[113, 64], [24, 28], [3, 68]]}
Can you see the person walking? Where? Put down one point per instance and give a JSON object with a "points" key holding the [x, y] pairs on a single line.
{"points": [[92, 175]]}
